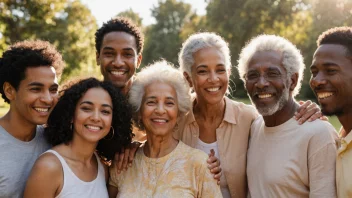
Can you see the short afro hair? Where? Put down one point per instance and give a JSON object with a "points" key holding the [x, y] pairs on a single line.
{"points": [[59, 130], [22, 55], [120, 24], [338, 35]]}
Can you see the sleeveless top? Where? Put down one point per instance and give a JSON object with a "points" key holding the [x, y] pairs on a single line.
{"points": [[74, 187]]}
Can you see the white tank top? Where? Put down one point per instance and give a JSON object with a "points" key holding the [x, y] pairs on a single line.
{"points": [[225, 191], [73, 187]]}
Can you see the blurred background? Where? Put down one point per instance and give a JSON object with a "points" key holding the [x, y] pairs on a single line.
{"points": [[70, 25]]}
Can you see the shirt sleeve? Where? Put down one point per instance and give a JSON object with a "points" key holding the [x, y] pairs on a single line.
{"points": [[322, 166], [208, 186]]}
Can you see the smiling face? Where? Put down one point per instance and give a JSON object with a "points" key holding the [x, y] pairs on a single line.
{"points": [[266, 82], [93, 115], [118, 58], [159, 109], [36, 96], [209, 75], [331, 79]]}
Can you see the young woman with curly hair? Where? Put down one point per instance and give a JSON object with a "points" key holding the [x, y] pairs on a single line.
{"points": [[91, 119]]}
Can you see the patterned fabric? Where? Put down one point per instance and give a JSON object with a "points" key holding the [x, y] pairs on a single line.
{"points": [[343, 167], [182, 173]]}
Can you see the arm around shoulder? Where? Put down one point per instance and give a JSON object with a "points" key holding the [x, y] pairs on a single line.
{"points": [[45, 179]]}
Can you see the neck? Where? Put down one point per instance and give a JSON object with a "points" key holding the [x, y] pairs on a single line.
{"points": [[18, 127], [208, 111], [283, 115], [159, 146], [82, 151], [127, 87], [345, 120]]}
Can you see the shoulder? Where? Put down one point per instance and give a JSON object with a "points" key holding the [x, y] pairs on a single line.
{"points": [[321, 132], [40, 137], [192, 155], [48, 163]]}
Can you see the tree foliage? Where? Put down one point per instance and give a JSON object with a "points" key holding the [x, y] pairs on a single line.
{"points": [[132, 15], [67, 24], [163, 38]]}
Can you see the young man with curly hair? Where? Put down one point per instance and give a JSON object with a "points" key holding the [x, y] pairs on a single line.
{"points": [[28, 82], [331, 81]]}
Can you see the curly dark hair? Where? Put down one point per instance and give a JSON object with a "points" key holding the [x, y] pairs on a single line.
{"points": [[338, 35], [119, 24], [24, 54], [58, 128]]}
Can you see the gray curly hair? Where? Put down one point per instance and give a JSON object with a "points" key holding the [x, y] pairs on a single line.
{"points": [[292, 58]]}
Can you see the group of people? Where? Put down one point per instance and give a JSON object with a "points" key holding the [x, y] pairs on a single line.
{"points": [[76, 140]]}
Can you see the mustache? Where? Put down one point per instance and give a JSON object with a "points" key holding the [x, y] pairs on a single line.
{"points": [[261, 91]]}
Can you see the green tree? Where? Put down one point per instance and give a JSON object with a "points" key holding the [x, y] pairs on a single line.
{"points": [[67, 24], [163, 38], [132, 15]]}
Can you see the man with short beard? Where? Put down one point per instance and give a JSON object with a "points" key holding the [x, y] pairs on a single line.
{"points": [[284, 159], [331, 82]]}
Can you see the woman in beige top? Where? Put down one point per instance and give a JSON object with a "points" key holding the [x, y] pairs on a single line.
{"points": [[164, 166], [217, 122]]}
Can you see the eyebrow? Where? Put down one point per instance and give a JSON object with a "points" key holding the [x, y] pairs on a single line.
{"points": [[41, 84], [111, 48], [154, 97], [326, 64], [90, 103]]}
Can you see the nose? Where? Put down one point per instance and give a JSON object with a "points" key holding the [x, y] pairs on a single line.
{"points": [[160, 109], [47, 97], [262, 82], [95, 115], [213, 77], [118, 60], [318, 80]]}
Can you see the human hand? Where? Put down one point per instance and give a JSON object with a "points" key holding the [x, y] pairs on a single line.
{"points": [[308, 111], [214, 166], [125, 158]]}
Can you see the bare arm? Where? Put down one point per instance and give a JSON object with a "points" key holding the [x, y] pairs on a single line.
{"points": [[46, 178], [112, 191]]}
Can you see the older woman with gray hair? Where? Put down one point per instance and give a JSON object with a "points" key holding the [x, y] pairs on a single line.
{"points": [[164, 166], [217, 122]]}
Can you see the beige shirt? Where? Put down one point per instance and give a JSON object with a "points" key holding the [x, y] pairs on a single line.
{"points": [[182, 173], [232, 137], [292, 160], [344, 167]]}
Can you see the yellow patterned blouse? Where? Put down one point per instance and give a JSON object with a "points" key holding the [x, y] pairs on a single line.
{"points": [[182, 173]]}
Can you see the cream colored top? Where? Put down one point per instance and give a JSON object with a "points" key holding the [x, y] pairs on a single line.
{"points": [[344, 167], [182, 173], [232, 137], [292, 160]]}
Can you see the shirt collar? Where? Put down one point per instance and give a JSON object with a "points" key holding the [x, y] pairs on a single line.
{"points": [[230, 112]]}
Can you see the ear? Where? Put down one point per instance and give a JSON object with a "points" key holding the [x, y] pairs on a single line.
{"points": [[188, 78], [294, 80], [97, 58], [139, 60], [9, 90]]}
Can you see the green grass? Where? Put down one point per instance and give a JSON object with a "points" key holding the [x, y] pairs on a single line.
{"points": [[333, 119]]}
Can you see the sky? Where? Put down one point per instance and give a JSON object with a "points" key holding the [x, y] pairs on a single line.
{"points": [[104, 10]]}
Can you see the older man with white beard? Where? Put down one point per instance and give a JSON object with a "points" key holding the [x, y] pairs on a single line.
{"points": [[284, 159]]}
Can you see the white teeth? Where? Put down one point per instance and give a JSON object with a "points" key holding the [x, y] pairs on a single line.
{"points": [[213, 89], [93, 127], [42, 109], [118, 72], [264, 96], [324, 95], [159, 120]]}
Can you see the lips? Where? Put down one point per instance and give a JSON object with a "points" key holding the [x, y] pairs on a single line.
{"points": [[93, 128], [324, 95], [263, 96], [213, 89], [42, 109], [160, 120], [118, 73]]}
